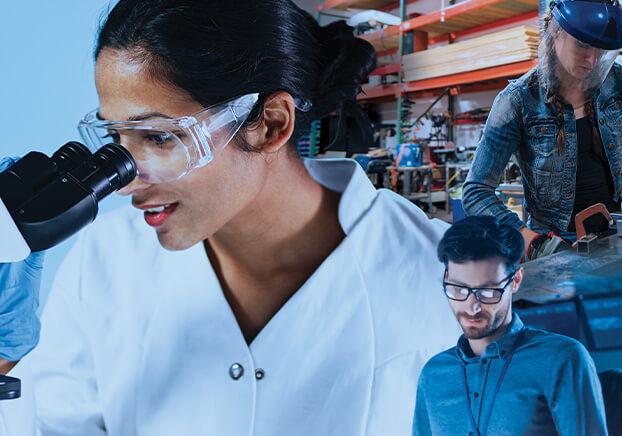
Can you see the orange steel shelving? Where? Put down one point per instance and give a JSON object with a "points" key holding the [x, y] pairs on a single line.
{"points": [[450, 24], [472, 81], [382, 5]]}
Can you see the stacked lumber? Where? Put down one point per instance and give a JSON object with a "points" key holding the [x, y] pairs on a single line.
{"points": [[499, 48], [383, 39]]}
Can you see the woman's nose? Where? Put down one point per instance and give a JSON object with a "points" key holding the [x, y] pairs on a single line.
{"points": [[134, 186]]}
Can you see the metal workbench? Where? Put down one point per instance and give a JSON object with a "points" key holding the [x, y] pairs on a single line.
{"points": [[580, 296]]}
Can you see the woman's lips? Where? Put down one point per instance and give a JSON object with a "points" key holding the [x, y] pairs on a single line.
{"points": [[157, 219]]}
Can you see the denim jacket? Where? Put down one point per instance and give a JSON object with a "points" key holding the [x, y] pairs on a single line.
{"points": [[521, 122]]}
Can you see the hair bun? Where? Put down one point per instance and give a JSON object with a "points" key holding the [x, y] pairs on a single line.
{"points": [[345, 64]]}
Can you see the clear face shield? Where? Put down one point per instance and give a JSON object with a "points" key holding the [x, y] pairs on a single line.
{"points": [[573, 64], [166, 149], [580, 44]]}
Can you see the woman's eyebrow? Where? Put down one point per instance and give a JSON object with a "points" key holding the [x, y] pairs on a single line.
{"points": [[140, 117]]}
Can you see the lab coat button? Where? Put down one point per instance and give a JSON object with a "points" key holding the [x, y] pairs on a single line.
{"points": [[236, 371], [260, 374]]}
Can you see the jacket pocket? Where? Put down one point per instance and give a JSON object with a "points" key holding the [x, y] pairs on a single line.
{"points": [[548, 189], [542, 142], [542, 137]]}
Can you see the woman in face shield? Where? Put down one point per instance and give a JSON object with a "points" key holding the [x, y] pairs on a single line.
{"points": [[247, 291], [562, 122]]}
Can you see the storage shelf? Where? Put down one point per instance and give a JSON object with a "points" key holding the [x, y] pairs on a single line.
{"points": [[386, 69], [379, 92], [469, 14], [501, 71], [382, 5], [472, 81], [385, 39], [461, 20], [485, 27]]}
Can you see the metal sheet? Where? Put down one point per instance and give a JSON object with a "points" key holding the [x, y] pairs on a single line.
{"points": [[564, 275]]}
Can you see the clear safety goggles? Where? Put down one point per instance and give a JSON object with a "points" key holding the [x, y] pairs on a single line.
{"points": [[166, 149]]}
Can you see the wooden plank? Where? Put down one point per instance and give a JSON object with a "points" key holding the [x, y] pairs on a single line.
{"points": [[468, 54], [457, 67], [470, 77], [383, 40], [499, 48], [526, 35], [474, 64]]}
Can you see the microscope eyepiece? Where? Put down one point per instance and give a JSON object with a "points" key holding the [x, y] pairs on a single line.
{"points": [[69, 156], [49, 209]]}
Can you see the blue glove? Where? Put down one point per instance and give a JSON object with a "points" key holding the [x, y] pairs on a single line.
{"points": [[19, 300]]}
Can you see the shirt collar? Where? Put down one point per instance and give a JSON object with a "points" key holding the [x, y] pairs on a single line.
{"points": [[348, 178], [500, 348]]}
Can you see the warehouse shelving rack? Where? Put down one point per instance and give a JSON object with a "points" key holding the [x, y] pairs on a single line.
{"points": [[449, 24]]}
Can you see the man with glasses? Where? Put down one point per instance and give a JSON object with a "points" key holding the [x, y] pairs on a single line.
{"points": [[502, 378]]}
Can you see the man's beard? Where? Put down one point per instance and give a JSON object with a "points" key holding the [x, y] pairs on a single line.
{"points": [[491, 326]]}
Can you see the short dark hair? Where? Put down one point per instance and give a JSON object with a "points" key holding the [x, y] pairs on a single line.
{"points": [[217, 50], [479, 238]]}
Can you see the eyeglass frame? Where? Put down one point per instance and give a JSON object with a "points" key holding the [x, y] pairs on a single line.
{"points": [[474, 290]]}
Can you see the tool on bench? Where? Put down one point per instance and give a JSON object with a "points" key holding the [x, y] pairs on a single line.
{"points": [[585, 240]]}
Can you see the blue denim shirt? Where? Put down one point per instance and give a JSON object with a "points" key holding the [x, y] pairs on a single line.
{"points": [[551, 387], [521, 122]]}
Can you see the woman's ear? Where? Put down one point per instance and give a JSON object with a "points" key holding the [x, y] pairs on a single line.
{"points": [[276, 124]]}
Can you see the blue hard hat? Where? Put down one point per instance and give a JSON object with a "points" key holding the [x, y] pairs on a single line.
{"points": [[593, 22]]}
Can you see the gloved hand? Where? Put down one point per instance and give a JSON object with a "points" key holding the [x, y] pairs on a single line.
{"points": [[19, 300], [545, 245]]}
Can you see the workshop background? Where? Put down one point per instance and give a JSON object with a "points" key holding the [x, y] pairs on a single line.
{"points": [[451, 57]]}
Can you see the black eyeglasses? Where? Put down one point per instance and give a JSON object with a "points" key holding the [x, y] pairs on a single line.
{"points": [[483, 295]]}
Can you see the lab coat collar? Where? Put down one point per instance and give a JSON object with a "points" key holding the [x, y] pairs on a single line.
{"points": [[348, 178]]}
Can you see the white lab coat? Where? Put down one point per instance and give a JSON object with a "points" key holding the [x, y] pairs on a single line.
{"points": [[140, 341]]}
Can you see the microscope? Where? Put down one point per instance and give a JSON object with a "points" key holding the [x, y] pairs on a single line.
{"points": [[45, 200]]}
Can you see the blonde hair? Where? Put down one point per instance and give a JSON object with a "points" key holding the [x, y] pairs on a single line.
{"points": [[547, 63]]}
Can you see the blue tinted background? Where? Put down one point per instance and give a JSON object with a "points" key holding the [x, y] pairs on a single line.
{"points": [[46, 82]]}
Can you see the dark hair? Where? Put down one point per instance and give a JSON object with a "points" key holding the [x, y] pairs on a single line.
{"points": [[217, 50], [479, 238]]}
